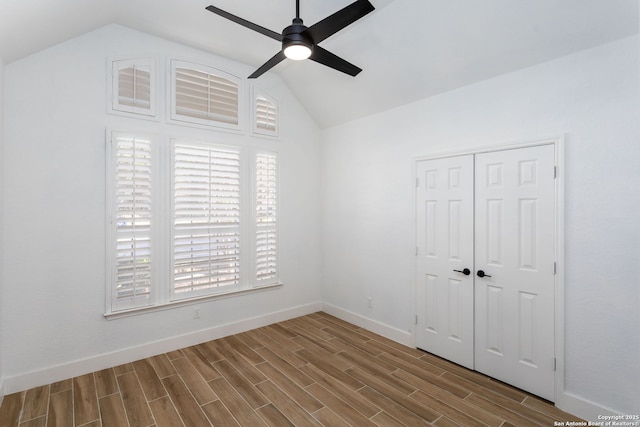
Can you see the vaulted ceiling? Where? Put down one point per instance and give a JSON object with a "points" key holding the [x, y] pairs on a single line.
{"points": [[409, 49]]}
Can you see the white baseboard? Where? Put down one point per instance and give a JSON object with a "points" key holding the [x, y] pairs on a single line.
{"points": [[75, 368], [397, 335], [582, 408], [1, 391]]}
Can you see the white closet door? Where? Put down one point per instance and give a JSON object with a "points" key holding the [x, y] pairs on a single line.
{"points": [[445, 244], [515, 243]]}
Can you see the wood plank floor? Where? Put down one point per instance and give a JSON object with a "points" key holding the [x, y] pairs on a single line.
{"points": [[310, 371]]}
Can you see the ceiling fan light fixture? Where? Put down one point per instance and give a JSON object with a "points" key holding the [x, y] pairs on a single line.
{"points": [[297, 52]]}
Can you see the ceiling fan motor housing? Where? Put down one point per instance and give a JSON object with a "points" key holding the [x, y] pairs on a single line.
{"points": [[295, 34]]}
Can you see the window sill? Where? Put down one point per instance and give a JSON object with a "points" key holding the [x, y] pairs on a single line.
{"points": [[187, 302]]}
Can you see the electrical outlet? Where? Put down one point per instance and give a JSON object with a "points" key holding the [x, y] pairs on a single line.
{"points": [[196, 313], [370, 302]]}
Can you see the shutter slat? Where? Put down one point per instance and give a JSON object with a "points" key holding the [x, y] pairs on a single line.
{"points": [[203, 78], [203, 93]]}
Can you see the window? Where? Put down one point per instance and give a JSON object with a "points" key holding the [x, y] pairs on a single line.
{"points": [[265, 114], [133, 86], [130, 218], [203, 95], [209, 226], [206, 218], [266, 217]]}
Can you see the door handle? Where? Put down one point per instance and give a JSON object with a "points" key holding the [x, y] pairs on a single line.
{"points": [[466, 271], [481, 273]]}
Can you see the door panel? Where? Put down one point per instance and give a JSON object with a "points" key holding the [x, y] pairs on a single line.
{"points": [[515, 228], [445, 243]]}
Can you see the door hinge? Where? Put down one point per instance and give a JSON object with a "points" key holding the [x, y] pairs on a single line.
{"points": [[555, 268], [555, 172], [554, 364], [416, 319], [417, 182]]}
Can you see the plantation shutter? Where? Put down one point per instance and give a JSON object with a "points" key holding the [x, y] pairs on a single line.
{"points": [[133, 86], [206, 96], [206, 211], [265, 115], [266, 217], [132, 220]]}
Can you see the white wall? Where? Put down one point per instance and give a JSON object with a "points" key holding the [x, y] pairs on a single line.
{"points": [[592, 99], [54, 222]]}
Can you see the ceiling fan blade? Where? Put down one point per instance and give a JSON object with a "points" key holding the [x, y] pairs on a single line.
{"points": [[245, 23], [327, 58], [277, 58], [342, 18]]}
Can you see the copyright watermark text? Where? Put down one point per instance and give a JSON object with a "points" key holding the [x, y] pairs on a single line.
{"points": [[603, 420]]}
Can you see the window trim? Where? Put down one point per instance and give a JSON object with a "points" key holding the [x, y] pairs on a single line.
{"points": [[185, 120], [189, 301]]}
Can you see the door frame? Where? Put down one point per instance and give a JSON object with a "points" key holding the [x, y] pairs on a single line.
{"points": [[559, 314]]}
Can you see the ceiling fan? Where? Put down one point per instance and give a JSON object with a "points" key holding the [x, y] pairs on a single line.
{"points": [[301, 42]]}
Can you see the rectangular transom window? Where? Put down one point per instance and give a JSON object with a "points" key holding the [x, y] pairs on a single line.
{"points": [[188, 219], [133, 86], [204, 95], [265, 114]]}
